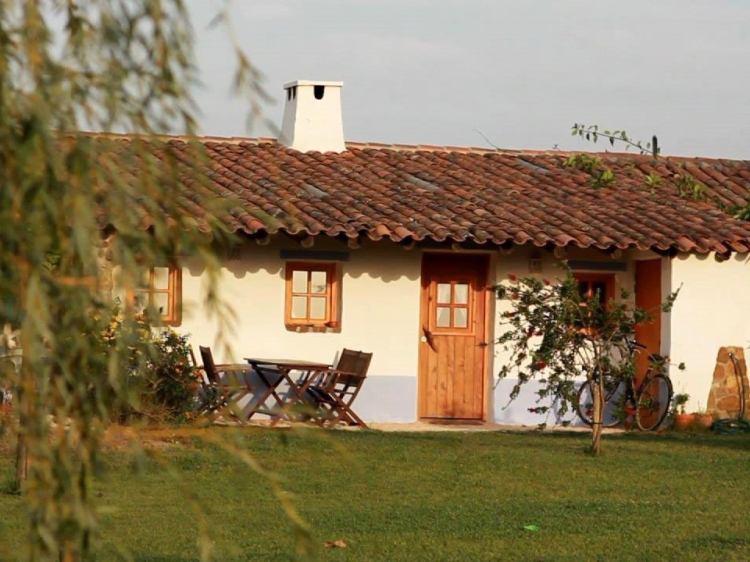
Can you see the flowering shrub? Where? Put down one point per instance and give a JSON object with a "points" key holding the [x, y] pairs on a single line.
{"points": [[554, 335], [171, 379], [157, 375]]}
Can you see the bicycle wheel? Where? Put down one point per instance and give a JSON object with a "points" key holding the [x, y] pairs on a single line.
{"points": [[653, 402], [613, 402]]}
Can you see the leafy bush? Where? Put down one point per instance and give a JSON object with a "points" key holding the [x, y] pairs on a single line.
{"points": [[171, 379], [157, 376], [555, 335]]}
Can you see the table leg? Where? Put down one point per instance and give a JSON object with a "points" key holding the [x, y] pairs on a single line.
{"points": [[300, 391], [297, 391], [270, 391], [293, 388]]}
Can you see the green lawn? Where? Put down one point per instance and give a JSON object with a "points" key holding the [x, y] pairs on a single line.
{"points": [[434, 497]]}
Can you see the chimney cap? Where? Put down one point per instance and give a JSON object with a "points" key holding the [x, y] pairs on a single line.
{"points": [[312, 83]]}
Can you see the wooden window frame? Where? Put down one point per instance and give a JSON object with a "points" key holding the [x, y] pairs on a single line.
{"points": [[609, 280], [452, 306], [173, 292], [332, 295]]}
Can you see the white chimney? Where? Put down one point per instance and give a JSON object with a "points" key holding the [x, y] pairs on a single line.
{"points": [[312, 116]]}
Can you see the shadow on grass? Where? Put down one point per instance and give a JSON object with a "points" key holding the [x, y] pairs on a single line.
{"points": [[161, 558], [579, 441], [738, 442], [11, 487], [707, 438], [723, 547]]}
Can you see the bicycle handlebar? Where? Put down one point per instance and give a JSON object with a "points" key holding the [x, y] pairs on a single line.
{"points": [[633, 345]]}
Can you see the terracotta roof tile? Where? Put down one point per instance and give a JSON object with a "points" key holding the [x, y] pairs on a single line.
{"points": [[403, 192]]}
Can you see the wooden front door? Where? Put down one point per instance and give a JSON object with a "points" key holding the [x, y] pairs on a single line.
{"points": [[453, 348], [648, 297]]}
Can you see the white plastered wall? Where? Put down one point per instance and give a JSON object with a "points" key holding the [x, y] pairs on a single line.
{"points": [[380, 313], [380, 309], [711, 311]]}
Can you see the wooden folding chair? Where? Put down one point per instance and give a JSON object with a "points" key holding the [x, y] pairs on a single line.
{"points": [[335, 390], [209, 395], [226, 391]]}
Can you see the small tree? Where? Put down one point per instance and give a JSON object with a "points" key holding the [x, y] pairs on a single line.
{"points": [[72, 203], [554, 336]]}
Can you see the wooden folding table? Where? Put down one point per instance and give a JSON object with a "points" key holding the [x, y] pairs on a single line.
{"points": [[273, 372]]}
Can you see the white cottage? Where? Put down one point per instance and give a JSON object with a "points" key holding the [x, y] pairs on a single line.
{"points": [[394, 249]]}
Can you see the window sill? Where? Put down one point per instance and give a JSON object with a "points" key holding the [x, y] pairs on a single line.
{"points": [[164, 322], [303, 328]]}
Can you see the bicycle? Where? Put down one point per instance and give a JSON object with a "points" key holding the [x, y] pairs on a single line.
{"points": [[648, 404]]}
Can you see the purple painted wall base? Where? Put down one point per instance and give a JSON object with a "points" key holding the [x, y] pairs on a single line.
{"points": [[394, 399], [388, 399], [517, 412]]}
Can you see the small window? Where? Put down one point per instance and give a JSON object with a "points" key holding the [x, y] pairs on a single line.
{"points": [[593, 284], [311, 294], [161, 290], [452, 305]]}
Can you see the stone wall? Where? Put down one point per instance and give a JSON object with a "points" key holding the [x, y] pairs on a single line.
{"points": [[724, 396]]}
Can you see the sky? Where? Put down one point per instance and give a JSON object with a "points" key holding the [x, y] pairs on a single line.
{"points": [[522, 72]]}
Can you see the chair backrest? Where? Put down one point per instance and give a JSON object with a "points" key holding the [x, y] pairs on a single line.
{"points": [[356, 362], [197, 367], [208, 364]]}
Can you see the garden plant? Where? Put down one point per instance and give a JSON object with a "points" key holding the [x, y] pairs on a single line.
{"points": [[557, 337], [74, 204]]}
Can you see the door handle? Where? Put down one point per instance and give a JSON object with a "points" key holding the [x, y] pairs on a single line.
{"points": [[427, 338]]}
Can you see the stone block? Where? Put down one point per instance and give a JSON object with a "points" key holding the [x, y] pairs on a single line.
{"points": [[723, 356], [724, 398]]}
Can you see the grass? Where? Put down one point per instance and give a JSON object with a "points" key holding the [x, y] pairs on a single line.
{"points": [[429, 496]]}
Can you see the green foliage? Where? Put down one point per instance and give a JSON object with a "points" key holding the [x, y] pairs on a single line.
{"points": [[591, 133], [160, 381], [654, 180], [601, 176], [73, 204], [679, 401], [742, 213], [689, 188], [11, 487], [554, 336], [584, 162], [667, 306], [686, 186], [172, 381]]}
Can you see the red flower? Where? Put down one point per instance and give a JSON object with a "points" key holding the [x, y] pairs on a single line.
{"points": [[547, 282], [541, 365], [512, 277]]}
